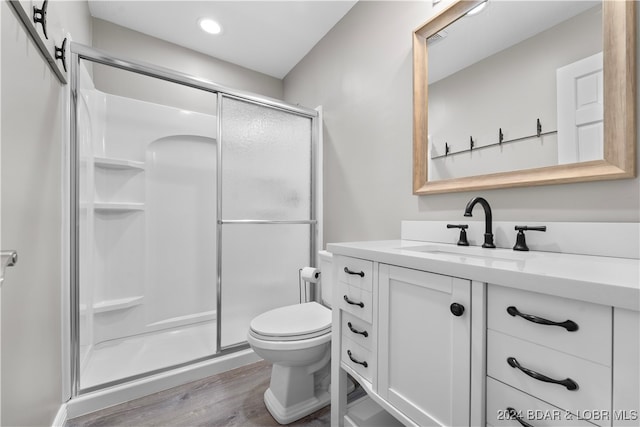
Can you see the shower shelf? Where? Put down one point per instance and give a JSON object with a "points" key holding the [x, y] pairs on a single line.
{"points": [[116, 304], [111, 163], [118, 207]]}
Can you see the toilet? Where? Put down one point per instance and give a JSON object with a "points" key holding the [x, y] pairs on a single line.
{"points": [[296, 339]]}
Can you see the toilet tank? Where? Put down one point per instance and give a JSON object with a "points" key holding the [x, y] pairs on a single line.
{"points": [[326, 284]]}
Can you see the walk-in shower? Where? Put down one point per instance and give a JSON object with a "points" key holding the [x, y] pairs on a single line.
{"points": [[193, 209]]}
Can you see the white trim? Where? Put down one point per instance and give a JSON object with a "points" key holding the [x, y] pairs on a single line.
{"points": [[319, 184], [61, 417], [1, 273], [65, 254], [609, 239]]}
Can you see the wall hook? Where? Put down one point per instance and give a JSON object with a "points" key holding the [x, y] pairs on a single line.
{"points": [[470, 143], [447, 149], [61, 52], [40, 17], [538, 128], [500, 136]]}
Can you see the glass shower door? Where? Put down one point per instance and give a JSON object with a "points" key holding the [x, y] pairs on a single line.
{"points": [[267, 219], [146, 215]]}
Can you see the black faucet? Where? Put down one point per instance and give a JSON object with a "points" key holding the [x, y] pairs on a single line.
{"points": [[488, 233]]}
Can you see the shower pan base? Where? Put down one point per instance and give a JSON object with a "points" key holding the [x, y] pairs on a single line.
{"points": [[127, 357]]}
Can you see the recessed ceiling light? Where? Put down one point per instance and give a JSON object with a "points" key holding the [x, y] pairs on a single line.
{"points": [[209, 26]]}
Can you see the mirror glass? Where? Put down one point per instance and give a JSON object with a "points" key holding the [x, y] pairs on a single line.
{"points": [[517, 94], [494, 75]]}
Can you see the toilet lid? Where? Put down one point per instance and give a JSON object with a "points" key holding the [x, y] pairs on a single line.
{"points": [[301, 320]]}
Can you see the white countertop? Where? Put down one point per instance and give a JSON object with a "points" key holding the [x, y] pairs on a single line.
{"points": [[602, 280]]}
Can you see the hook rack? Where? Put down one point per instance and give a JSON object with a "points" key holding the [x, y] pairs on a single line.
{"points": [[30, 16], [501, 141], [61, 52], [40, 17]]}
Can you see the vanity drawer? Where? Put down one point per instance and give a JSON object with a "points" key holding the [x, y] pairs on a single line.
{"points": [[357, 358], [356, 301], [533, 411], [357, 330], [593, 380], [592, 340], [356, 272]]}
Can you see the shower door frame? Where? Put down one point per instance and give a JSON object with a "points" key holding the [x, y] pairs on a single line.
{"points": [[82, 52]]}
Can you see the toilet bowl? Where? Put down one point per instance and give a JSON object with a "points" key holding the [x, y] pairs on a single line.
{"points": [[296, 339]]}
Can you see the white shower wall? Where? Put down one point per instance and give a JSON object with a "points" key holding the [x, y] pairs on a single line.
{"points": [[147, 231], [181, 231]]}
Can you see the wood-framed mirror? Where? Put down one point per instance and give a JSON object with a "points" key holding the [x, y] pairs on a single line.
{"points": [[618, 110]]}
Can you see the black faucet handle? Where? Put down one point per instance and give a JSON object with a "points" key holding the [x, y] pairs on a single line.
{"points": [[521, 242], [529, 228], [461, 226], [462, 241]]}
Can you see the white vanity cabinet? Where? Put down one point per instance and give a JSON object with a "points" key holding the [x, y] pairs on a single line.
{"points": [[424, 348], [555, 351], [551, 338], [405, 335], [358, 336]]}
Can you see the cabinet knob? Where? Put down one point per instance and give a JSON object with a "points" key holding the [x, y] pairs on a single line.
{"points": [[457, 309]]}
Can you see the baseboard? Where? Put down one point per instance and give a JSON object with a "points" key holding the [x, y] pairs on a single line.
{"points": [[61, 417]]}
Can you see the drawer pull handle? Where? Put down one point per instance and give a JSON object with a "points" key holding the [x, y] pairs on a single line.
{"points": [[355, 331], [359, 304], [365, 364], [568, 383], [569, 325], [514, 415], [355, 273]]}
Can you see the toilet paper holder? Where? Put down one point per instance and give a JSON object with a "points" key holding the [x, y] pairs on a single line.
{"points": [[307, 275]]}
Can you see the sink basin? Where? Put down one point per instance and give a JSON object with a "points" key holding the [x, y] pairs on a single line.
{"points": [[468, 252]]}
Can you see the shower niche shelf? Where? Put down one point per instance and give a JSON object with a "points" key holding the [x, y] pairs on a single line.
{"points": [[113, 163], [118, 207], [116, 304], [118, 185]]}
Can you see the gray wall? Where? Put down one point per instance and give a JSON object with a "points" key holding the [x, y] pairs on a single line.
{"points": [[361, 72], [132, 44], [32, 220], [454, 101]]}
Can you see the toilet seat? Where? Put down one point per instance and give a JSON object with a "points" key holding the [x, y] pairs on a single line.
{"points": [[292, 323]]}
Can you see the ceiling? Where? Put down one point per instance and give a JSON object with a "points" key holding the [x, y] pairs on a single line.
{"points": [[266, 36]]}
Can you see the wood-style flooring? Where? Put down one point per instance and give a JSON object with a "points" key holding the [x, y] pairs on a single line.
{"points": [[233, 398]]}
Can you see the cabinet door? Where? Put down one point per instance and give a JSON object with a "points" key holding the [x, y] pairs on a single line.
{"points": [[424, 349]]}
